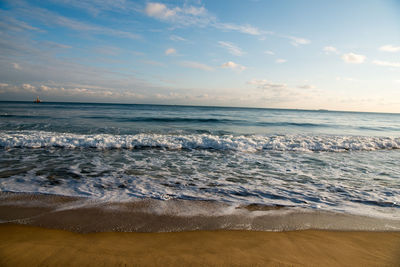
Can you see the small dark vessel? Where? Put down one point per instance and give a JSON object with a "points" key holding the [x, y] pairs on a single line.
{"points": [[37, 100]]}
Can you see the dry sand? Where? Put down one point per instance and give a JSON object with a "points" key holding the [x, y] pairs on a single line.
{"points": [[34, 246]]}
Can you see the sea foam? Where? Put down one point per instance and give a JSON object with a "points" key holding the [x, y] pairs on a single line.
{"points": [[250, 143]]}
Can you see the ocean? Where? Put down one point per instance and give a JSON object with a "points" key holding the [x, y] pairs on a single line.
{"points": [[212, 162]]}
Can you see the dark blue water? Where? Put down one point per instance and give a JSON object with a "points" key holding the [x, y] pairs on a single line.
{"points": [[134, 119]]}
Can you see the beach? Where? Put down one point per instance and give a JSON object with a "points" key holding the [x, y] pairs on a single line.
{"points": [[51, 230], [34, 246]]}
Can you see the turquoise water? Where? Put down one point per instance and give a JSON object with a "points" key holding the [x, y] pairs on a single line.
{"points": [[319, 160]]}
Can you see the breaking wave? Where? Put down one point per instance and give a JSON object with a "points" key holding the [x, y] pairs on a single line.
{"points": [[250, 143]]}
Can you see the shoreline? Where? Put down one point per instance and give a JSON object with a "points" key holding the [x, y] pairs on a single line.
{"points": [[29, 245], [85, 215]]}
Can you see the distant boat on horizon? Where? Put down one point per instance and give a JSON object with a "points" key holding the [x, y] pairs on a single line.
{"points": [[37, 100]]}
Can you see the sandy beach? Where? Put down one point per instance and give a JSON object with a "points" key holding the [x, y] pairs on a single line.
{"points": [[34, 246]]}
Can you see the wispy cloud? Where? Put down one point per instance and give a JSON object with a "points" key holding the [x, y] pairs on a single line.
{"points": [[264, 84], [189, 15], [153, 63], [296, 41], [196, 65], [353, 58], [160, 11], [177, 38], [386, 63], [247, 29], [268, 52], [306, 86], [80, 26], [232, 48], [233, 65], [181, 16], [108, 50], [390, 48], [54, 91], [280, 60], [29, 87], [95, 7], [12, 24], [199, 16], [330, 49], [170, 51], [55, 45], [51, 18]]}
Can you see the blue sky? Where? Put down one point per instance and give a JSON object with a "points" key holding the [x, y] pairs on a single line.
{"points": [[342, 55]]}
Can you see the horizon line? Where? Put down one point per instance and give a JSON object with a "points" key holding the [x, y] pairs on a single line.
{"points": [[208, 106]]}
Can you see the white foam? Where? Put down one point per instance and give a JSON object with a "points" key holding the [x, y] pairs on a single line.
{"points": [[251, 143]]}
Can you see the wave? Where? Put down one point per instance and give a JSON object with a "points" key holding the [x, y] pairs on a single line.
{"points": [[201, 120], [178, 120], [38, 139], [298, 124], [25, 116], [208, 120]]}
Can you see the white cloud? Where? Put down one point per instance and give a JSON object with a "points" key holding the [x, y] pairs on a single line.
{"points": [[160, 11], [296, 41], [264, 84], [190, 15], [330, 49], [390, 48], [196, 65], [195, 11], [16, 66], [186, 15], [386, 63], [233, 65], [170, 51], [28, 87], [232, 48], [281, 60], [77, 91], [268, 52], [247, 29], [306, 86], [353, 58], [45, 88], [197, 16]]}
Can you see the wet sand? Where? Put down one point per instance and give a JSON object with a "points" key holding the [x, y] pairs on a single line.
{"points": [[148, 215], [22, 245]]}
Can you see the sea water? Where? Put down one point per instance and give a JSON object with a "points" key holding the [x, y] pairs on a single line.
{"points": [[344, 162]]}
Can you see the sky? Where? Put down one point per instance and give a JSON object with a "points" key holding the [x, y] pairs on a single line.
{"points": [[309, 54]]}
